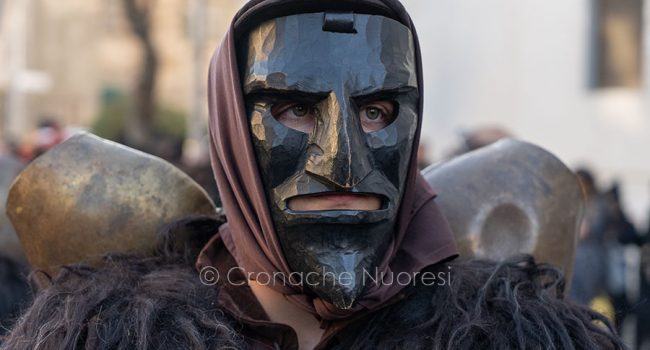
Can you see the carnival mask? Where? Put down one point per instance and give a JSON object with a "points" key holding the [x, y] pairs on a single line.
{"points": [[332, 100]]}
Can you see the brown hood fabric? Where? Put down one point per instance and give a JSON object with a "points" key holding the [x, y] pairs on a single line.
{"points": [[422, 236]]}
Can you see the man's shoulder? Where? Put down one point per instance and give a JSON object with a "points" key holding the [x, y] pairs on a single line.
{"points": [[128, 302], [514, 304]]}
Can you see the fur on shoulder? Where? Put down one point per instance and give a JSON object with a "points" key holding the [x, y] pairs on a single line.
{"points": [[129, 302], [516, 304]]}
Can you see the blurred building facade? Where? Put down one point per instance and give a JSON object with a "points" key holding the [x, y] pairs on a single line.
{"points": [[62, 56], [568, 75]]}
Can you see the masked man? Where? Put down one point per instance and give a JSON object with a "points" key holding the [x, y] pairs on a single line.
{"points": [[333, 239], [315, 113]]}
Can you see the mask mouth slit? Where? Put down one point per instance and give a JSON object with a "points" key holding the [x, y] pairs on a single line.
{"points": [[337, 201]]}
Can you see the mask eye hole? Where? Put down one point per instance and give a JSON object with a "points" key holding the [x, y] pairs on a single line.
{"points": [[295, 115], [376, 115]]}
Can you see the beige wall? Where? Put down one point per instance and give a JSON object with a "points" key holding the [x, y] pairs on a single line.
{"points": [[87, 45], [525, 65]]}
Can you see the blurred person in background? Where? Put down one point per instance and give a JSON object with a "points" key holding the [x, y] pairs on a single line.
{"points": [[589, 267], [618, 233], [15, 292], [48, 133], [642, 309], [14, 289], [600, 267]]}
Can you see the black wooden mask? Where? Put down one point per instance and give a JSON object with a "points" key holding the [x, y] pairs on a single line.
{"points": [[332, 100]]}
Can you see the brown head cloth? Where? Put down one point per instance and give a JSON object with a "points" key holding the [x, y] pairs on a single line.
{"points": [[422, 237]]}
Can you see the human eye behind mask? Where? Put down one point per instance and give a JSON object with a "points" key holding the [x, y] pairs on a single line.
{"points": [[302, 114]]}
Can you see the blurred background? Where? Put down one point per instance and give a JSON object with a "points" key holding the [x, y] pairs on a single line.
{"points": [[567, 75]]}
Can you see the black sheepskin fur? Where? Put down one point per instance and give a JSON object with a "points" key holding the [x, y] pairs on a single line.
{"points": [[128, 303], [516, 304]]}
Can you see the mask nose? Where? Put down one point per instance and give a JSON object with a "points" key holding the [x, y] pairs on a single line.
{"points": [[337, 152]]}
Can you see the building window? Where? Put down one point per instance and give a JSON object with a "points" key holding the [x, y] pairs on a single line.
{"points": [[618, 42]]}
